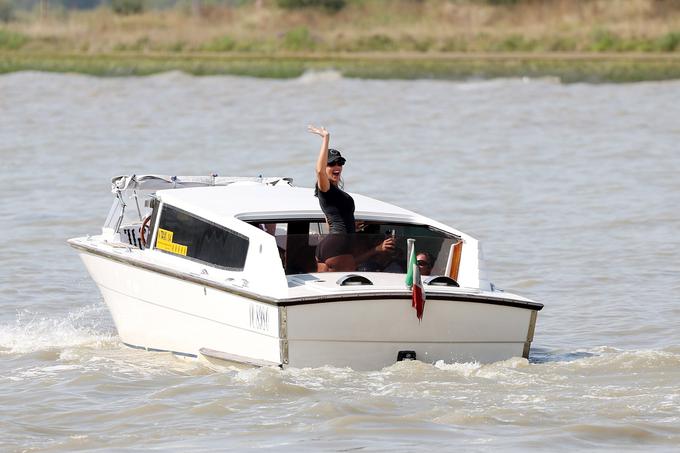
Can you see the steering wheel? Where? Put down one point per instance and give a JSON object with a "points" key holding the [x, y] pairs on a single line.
{"points": [[144, 229]]}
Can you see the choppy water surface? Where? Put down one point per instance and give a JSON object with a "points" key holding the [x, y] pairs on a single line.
{"points": [[573, 190]]}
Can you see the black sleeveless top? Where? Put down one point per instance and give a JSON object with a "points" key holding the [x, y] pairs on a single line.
{"points": [[338, 206]]}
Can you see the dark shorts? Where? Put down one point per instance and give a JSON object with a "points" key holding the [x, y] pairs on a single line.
{"points": [[333, 245]]}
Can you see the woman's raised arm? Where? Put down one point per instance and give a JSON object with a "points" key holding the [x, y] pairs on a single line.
{"points": [[322, 161]]}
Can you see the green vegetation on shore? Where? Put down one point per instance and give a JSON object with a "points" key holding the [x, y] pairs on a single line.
{"points": [[569, 68], [594, 40]]}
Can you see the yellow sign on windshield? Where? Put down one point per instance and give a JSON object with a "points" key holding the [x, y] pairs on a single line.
{"points": [[164, 242]]}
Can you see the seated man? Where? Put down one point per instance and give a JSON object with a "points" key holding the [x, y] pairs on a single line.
{"points": [[424, 261], [378, 252]]}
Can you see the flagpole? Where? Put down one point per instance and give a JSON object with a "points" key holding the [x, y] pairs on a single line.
{"points": [[410, 249], [410, 246]]}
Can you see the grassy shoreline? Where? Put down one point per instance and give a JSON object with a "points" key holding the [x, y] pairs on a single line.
{"points": [[593, 41], [569, 68]]}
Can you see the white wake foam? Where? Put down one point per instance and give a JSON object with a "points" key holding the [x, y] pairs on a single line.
{"points": [[327, 75], [32, 332]]}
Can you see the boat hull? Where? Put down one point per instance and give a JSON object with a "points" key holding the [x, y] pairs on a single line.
{"points": [[370, 334], [157, 311]]}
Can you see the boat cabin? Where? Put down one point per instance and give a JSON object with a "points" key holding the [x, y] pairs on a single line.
{"points": [[236, 224]]}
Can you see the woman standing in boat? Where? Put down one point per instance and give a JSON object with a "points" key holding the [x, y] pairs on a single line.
{"points": [[334, 253]]}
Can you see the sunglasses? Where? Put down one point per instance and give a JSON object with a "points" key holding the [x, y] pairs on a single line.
{"points": [[422, 263], [333, 164]]}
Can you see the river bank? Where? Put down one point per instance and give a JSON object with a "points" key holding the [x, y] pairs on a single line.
{"points": [[568, 67], [594, 41]]}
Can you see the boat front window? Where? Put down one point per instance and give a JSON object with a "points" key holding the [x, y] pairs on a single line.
{"points": [[306, 246]]}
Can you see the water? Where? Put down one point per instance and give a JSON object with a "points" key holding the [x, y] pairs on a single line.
{"points": [[573, 190]]}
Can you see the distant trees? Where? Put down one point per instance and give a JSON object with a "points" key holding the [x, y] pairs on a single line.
{"points": [[330, 5], [127, 7], [81, 4], [67, 4], [502, 2], [6, 11]]}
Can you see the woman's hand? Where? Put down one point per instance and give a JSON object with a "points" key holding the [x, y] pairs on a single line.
{"points": [[322, 161], [320, 131]]}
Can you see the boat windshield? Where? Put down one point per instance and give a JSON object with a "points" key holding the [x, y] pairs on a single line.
{"points": [[306, 246]]}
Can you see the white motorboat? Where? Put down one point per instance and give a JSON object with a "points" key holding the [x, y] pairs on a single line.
{"points": [[223, 268]]}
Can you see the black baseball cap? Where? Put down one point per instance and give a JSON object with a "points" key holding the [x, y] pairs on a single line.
{"points": [[335, 156]]}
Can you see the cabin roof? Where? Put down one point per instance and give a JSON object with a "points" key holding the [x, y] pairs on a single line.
{"points": [[252, 201]]}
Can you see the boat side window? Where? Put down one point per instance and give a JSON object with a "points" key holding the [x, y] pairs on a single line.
{"points": [[299, 239], [181, 233]]}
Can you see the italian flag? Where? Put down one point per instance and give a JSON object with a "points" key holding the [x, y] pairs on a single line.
{"points": [[414, 282]]}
